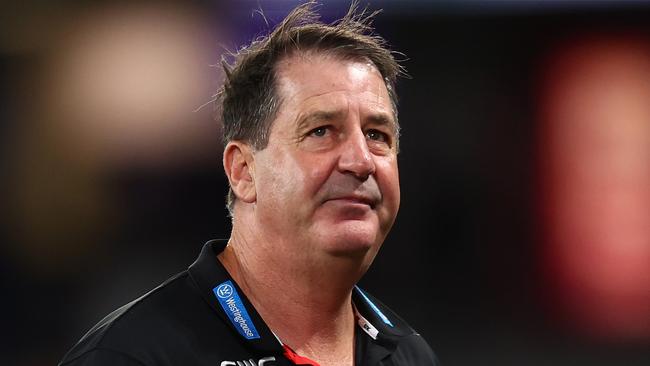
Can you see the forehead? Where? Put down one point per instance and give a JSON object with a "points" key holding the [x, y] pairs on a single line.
{"points": [[312, 78]]}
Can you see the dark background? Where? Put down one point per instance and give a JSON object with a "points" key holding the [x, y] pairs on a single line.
{"points": [[85, 235]]}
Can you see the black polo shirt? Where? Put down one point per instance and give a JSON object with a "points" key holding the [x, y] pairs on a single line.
{"points": [[201, 317]]}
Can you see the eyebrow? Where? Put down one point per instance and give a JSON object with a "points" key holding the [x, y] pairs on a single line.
{"points": [[318, 116], [380, 119]]}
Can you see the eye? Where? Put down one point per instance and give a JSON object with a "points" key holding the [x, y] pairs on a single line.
{"points": [[377, 136], [319, 131]]}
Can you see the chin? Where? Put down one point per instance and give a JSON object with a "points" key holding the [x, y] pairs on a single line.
{"points": [[352, 238]]}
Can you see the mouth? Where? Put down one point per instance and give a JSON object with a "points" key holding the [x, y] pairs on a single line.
{"points": [[356, 200]]}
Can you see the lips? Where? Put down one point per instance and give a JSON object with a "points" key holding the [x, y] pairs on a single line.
{"points": [[358, 199]]}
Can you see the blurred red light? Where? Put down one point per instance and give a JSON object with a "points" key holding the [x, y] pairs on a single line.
{"points": [[595, 178]]}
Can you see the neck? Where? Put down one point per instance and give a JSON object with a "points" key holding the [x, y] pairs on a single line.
{"points": [[319, 306]]}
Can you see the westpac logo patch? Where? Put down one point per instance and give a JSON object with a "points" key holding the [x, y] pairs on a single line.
{"points": [[249, 362], [232, 305]]}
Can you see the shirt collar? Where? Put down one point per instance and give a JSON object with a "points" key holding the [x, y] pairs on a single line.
{"points": [[381, 327], [208, 273]]}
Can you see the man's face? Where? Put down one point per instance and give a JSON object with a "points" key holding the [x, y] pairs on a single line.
{"points": [[327, 183]]}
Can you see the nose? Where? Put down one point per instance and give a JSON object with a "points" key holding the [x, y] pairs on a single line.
{"points": [[355, 158]]}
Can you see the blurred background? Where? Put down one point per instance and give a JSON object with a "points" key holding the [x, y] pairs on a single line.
{"points": [[524, 232]]}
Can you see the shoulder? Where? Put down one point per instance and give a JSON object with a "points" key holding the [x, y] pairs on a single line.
{"points": [[410, 348], [414, 350], [102, 356], [125, 336]]}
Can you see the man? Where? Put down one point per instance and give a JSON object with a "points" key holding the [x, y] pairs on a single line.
{"points": [[311, 139]]}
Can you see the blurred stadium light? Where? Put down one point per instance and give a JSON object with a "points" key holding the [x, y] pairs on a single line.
{"points": [[595, 159]]}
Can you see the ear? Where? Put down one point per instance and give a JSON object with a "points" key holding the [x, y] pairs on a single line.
{"points": [[238, 162]]}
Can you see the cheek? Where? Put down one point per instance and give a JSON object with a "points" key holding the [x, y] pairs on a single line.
{"points": [[388, 177], [286, 176], [317, 173], [271, 176], [307, 171]]}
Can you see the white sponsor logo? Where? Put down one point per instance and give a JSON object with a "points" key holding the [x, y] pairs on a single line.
{"points": [[224, 291], [367, 326], [249, 362]]}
